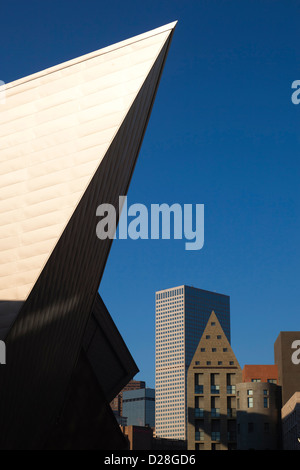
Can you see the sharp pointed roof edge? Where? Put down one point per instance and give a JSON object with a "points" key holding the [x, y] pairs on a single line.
{"points": [[213, 317], [168, 27]]}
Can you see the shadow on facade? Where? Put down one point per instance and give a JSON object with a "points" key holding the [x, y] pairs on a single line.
{"points": [[242, 430]]}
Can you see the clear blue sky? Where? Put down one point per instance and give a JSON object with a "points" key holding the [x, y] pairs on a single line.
{"points": [[223, 132]]}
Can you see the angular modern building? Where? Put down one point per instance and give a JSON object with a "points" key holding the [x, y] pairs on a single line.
{"points": [[70, 137], [181, 316]]}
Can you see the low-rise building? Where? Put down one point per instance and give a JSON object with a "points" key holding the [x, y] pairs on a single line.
{"points": [[258, 416]]}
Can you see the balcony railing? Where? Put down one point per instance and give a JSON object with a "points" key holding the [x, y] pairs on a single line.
{"points": [[231, 436], [199, 412], [215, 436], [231, 413], [199, 436], [215, 413]]}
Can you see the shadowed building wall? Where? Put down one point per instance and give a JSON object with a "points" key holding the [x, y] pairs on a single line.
{"points": [[258, 416], [286, 357]]}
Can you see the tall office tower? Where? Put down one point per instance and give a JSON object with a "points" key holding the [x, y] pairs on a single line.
{"points": [[139, 407], [116, 403], [181, 316]]}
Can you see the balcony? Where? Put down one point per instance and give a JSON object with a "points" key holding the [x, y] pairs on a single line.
{"points": [[231, 412], [231, 436], [231, 389], [199, 436], [215, 389], [215, 413], [199, 389], [199, 412], [216, 436]]}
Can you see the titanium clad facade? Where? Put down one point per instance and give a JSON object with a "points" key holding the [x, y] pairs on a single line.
{"points": [[70, 137], [56, 127], [181, 316]]}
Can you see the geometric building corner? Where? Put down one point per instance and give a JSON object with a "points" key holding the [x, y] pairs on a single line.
{"points": [[71, 137]]}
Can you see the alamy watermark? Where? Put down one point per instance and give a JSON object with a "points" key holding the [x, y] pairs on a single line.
{"points": [[296, 354], [163, 222], [296, 94]]}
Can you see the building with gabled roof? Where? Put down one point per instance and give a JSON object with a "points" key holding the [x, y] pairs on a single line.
{"points": [[211, 391]]}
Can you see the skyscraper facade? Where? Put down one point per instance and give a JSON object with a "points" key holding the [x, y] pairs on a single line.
{"points": [[181, 316], [139, 407]]}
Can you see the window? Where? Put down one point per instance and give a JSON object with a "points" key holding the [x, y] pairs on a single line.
{"points": [[215, 389], [214, 349], [250, 402], [224, 349], [207, 336], [219, 337], [231, 389], [266, 427], [215, 436], [266, 402], [202, 349], [213, 323], [215, 413], [199, 436], [199, 384], [220, 363], [249, 392], [255, 380], [199, 412]]}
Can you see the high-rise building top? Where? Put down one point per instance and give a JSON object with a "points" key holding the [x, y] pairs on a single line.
{"points": [[117, 403]]}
